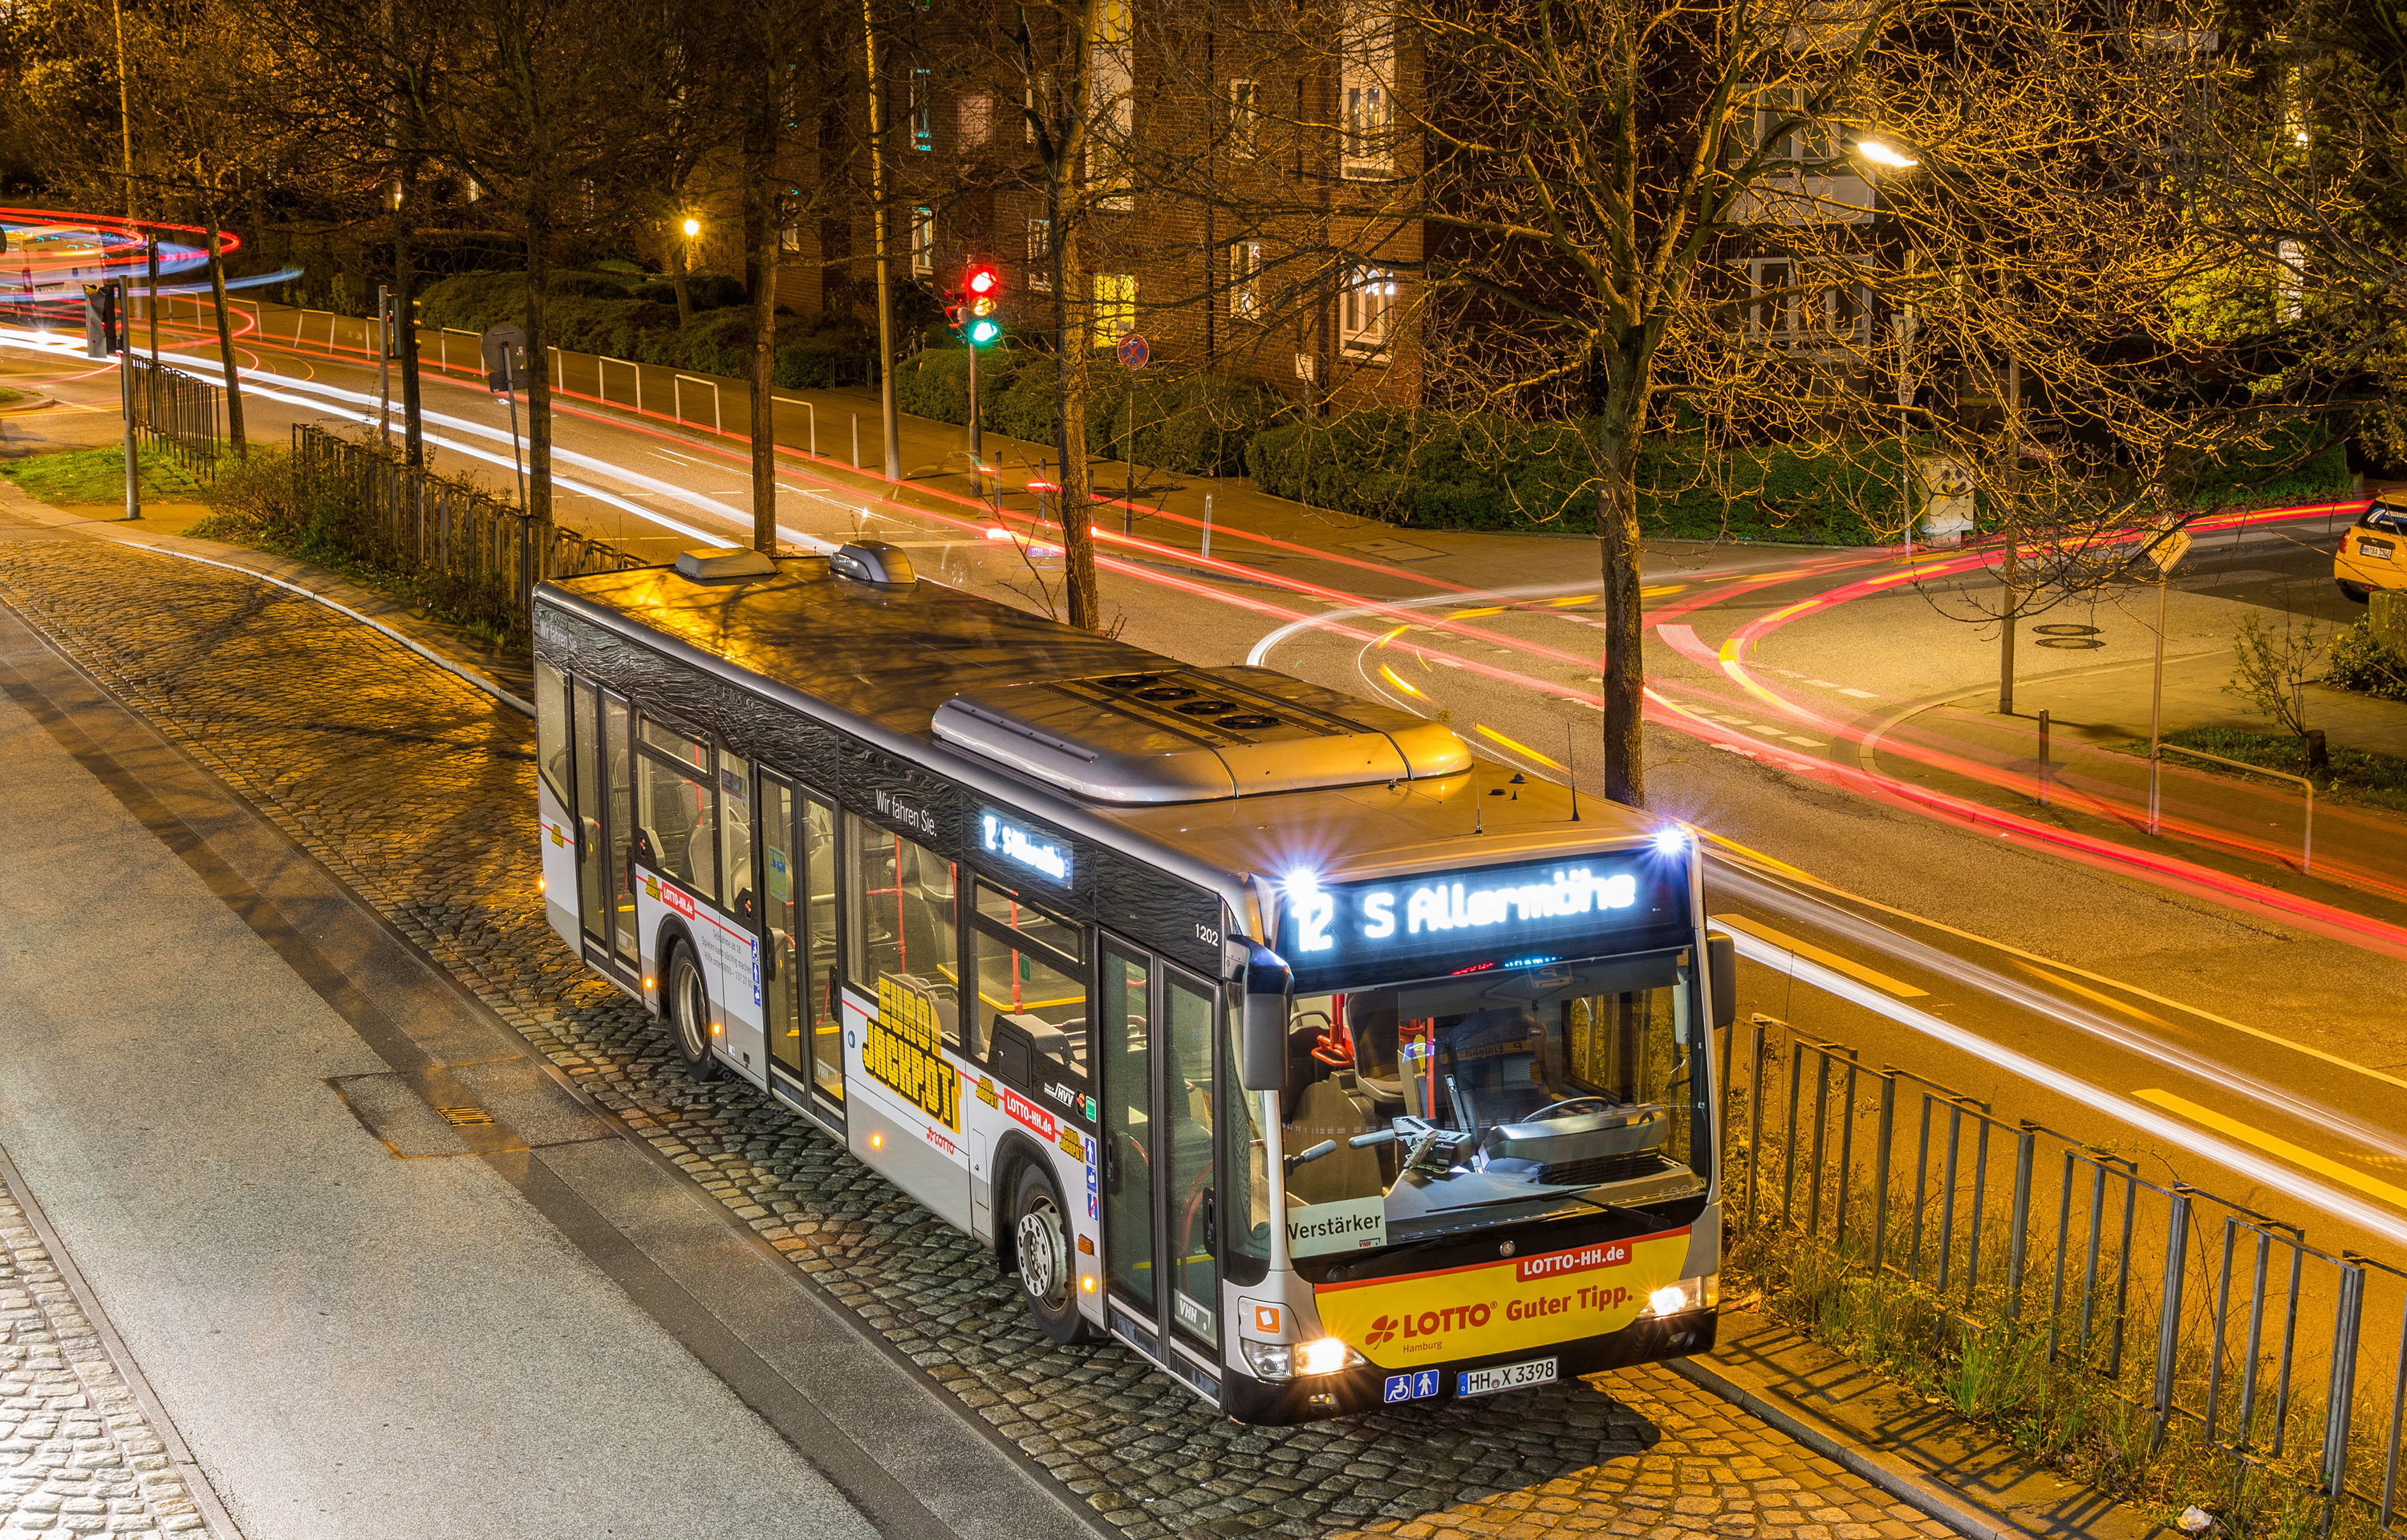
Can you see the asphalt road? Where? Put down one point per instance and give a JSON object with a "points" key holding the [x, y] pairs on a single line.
{"points": [[2119, 978]]}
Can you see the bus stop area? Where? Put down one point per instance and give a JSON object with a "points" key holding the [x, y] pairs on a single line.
{"points": [[350, 1205]]}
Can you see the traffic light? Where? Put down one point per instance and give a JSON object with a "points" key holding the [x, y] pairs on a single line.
{"points": [[981, 288], [100, 334]]}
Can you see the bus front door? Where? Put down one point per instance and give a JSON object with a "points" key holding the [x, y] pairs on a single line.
{"points": [[1153, 1033]]}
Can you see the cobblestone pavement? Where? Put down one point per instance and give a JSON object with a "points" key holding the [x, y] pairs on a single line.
{"points": [[418, 792], [77, 1456]]}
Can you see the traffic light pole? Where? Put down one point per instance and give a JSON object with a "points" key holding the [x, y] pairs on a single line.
{"points": [[978, 452], [124, 341]]}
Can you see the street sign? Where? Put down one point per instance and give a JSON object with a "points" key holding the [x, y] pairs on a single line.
{"points": [[506, 358], [1134, 352], [2167, 553]]}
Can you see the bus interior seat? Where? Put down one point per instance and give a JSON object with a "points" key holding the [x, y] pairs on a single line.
{"points": [[1371, 1022]]}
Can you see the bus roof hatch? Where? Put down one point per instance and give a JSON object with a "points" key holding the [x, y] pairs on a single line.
{"points": [[1192, 735]]}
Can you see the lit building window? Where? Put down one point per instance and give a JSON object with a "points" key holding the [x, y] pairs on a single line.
{"points": [[1363, 307], [1040, 254], [1366, 80], [1115, 307], [978, 119], [1245, 273], [924, 111], [1114, 107], [923, 240], [1245, 119]]}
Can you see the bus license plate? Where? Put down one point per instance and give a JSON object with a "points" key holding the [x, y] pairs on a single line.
{"points": [[1506, 1376]]}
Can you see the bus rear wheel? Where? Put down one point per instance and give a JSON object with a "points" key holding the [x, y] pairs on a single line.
{"points": [[689, 1003], [1040, 1241]]}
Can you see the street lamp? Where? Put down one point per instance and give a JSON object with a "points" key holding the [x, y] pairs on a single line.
{"points": [[1879, 152], [693, 228]]}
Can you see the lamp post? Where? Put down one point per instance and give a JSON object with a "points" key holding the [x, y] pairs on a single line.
{"points": [[1880, 153]]}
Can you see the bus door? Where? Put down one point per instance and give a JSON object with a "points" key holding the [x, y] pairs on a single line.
{"points": [[593, 863], [798, 956], [618, 882], [1153, 1046]]}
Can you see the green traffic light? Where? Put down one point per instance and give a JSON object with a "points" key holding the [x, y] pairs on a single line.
{"points": [[984, 332]]}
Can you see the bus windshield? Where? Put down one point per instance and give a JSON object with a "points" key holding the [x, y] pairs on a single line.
{"points": [[1439, 1116]]}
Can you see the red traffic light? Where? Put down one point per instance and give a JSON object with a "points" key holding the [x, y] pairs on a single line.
{"points": [[982, 281]]}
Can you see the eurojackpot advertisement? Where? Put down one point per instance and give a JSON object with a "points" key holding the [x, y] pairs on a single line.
{"points": [[1503, 1306]]}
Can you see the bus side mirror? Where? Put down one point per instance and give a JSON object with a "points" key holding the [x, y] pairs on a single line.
{"points": [[1263, 1033], [1721, 976]]}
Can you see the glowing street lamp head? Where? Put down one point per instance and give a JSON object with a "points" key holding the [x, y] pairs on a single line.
{"points": [[693, 228], [1880, 153]]}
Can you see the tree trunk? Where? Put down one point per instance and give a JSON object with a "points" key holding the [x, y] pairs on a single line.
{"points": [[761, 285], [538, 380], [1624, 662], [404, 315], [225, 331], [1077, 504]]}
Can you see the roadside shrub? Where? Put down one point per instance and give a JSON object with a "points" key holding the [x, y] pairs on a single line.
{"points": [[2360, 662], [2257, 478], [1482, 471]]}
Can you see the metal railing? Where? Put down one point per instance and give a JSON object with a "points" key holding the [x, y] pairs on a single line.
{"points": [[181, 411], [2307, 837], [1883, 1196], [477, 555]]}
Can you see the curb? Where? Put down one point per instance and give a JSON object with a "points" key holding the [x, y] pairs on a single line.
{"points": [[1892, 1474]]}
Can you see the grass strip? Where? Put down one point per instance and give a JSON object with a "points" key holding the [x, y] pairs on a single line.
{"points": [[2358, 777], [98, 475]]}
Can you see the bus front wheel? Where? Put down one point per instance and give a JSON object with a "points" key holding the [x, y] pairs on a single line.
{"points": [[1041, 1243], [688, 1001]]}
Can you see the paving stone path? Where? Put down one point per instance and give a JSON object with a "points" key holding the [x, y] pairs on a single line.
{"points": [[77, 1456], [417, 791]]}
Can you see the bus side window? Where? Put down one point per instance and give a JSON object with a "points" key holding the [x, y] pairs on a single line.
{"points": [[900, 920], [675, 806], [736, 833], [551, 740]]}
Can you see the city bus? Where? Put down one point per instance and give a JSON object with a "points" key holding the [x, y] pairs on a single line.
{"points": [[1275, 1034]]}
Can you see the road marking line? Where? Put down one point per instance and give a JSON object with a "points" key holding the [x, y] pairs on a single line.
{"points": [[2100, 996], [1860, 695], [2320, 1165], [1809, 742], [2169, 1003], [1827, 959]]}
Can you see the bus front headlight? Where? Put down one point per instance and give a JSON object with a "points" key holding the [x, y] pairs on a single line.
{"points": [[1277, 1361], [1689, 1294]]}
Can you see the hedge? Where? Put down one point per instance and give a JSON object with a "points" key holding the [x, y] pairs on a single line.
{"points": [[1482, 471], [1196, 424], [630, 317]]}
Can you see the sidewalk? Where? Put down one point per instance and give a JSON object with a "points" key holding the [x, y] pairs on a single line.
{"points": [[1974, 1479]]}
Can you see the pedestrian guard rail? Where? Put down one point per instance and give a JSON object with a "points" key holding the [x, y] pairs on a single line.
{"points": [[181, 411], [477, 555], [1894, 1207]]}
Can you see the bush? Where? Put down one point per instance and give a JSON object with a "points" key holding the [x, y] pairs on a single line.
{"points": [[2255, 478], [1483, 472], [1196, 424], [2360, 662]]}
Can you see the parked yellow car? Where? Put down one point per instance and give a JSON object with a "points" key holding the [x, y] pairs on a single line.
{"points": [[2373, 554]]}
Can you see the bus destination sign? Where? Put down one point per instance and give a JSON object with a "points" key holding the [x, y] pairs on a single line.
{"points": [[1525, 915], [1024, 848]]}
